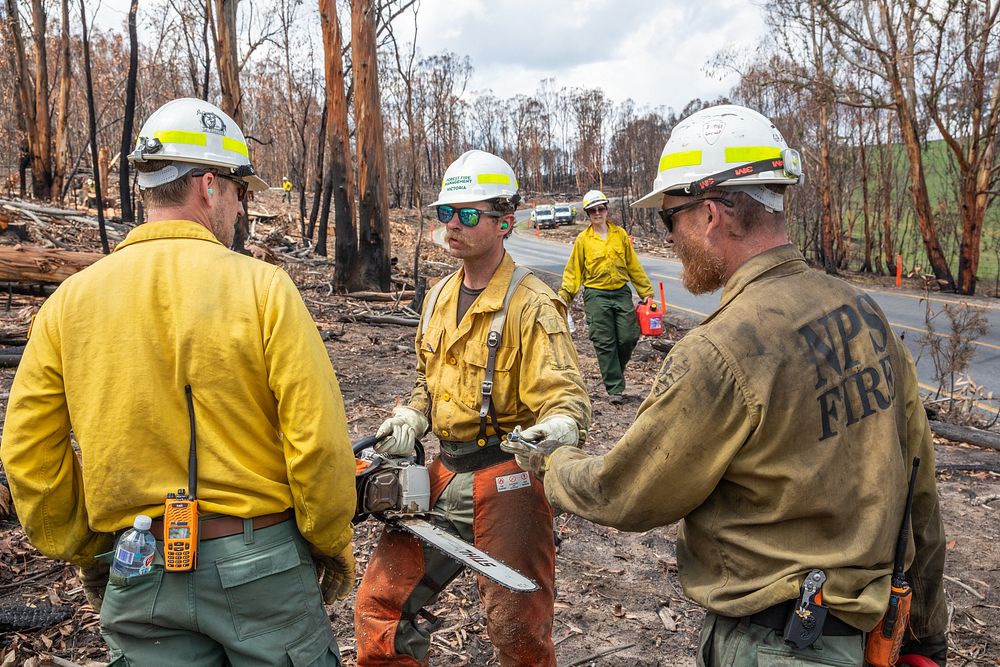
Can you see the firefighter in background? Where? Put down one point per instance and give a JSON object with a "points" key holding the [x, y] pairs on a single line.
{"points": [[534, 380], [603, 262], [781, 431], [275, 469], [90, 193], [286, 190]]}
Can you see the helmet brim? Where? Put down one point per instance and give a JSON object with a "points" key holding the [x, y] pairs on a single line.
{"points": [[652, 200], [256, 184]]}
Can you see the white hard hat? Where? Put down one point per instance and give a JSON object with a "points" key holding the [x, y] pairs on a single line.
{"points": [[594, 198], [193, 131], [477, 176], [725, 146]]}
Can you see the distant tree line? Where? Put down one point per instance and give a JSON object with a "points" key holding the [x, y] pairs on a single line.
{"points": [[894, 104]]}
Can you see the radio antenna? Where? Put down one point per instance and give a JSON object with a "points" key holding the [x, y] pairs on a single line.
{"points": [[193, 452]]}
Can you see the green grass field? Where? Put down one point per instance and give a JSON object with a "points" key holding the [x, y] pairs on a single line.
{"points": [[941, 180]]}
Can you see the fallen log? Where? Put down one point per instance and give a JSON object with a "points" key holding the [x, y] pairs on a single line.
{"points": [[381, 319], [973, 436], [10, 360], [29, 289], [32, 264], [380, 296]]}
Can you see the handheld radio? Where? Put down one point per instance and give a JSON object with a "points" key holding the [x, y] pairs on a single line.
{"points": [[180, 515], [883, 643]]}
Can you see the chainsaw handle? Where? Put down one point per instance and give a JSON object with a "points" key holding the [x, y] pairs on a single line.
{"points": [[366, 442], [370, 440]]}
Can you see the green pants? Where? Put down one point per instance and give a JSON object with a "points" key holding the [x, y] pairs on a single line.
{"points": [[733, 642], [254, 600], [613, 330]]}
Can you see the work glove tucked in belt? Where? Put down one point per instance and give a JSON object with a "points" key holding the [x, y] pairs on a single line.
{"points": [[94, 579], [398, 434], [336, 574], [551, 433]]}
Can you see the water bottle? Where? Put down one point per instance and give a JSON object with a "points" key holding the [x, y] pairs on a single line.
{"points": [[136, 549]]}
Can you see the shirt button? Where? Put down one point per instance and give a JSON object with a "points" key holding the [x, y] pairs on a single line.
{"points": [[446, 397], [452, 360], [444, 433]]}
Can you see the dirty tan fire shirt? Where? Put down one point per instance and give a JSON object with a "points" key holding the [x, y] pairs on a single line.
{"points": [[536, 374], [781, 433]]}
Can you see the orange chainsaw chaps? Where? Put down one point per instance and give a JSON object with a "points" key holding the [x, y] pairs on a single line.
{"points": [[515, 527], [395, 569]]}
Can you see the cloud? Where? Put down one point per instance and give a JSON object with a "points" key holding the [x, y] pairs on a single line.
{"points": [[653, 53]]}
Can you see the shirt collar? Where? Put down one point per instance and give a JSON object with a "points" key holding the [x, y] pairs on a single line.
{"points": [[611, 227], [781, 260], [167, 229], [491, 298]]}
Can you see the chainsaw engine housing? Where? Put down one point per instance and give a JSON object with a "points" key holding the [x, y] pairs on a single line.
{"points": [[385, 485]]}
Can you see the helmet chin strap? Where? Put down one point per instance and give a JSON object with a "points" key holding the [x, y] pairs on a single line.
{"points": [[771, 200]]}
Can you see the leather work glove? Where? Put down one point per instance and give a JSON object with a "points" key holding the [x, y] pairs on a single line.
{"points": [[336, 574], [94, 579], [550, 434], [928, 651], [399, 433]]}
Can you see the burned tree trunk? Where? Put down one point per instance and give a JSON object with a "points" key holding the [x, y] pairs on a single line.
{"points": [[318, 180], [41, 164], [340, 175], [373, 218], [124, 187], [61, 161], [227, 57], [92, 116]]}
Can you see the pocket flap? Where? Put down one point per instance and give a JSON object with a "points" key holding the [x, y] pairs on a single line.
{"points": [[309, 650], [243, 568], [477, 354]]}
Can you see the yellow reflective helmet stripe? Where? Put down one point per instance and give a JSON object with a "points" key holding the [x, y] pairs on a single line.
{"points": [[200, 139], [497, 179], [182, 137], [751, 153], [681, 159], [235, 145]]}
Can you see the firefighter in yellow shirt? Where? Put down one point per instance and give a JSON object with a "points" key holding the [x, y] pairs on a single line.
{"points": [[473, 387], [603, 262], [286, 190], [108, 360]]}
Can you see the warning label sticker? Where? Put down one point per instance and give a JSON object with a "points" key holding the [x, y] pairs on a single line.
{"points": [[512, 482]]}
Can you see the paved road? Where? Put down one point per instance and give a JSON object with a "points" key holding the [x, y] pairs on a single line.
{"points": [[905, 310]]}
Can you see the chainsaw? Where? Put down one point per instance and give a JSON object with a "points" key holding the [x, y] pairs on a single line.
{"points": [[396, 491]]}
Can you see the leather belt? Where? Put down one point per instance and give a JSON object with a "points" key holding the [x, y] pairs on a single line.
{"points": [[210, 528], [776, 616]]}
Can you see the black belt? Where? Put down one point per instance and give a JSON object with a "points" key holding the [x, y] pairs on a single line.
{"points": [[776, 617], [485, 457]]}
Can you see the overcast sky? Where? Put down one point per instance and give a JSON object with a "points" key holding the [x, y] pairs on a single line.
{"points": [[653, 52]]}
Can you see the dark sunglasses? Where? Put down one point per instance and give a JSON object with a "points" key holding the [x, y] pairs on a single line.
{"points": [[467, 216], [667, 214], [601, 208], [241, 186]]}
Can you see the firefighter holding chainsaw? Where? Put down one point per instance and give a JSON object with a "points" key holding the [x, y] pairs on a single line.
{"points": [[175, 343], [493, 353], [780, 432]]}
